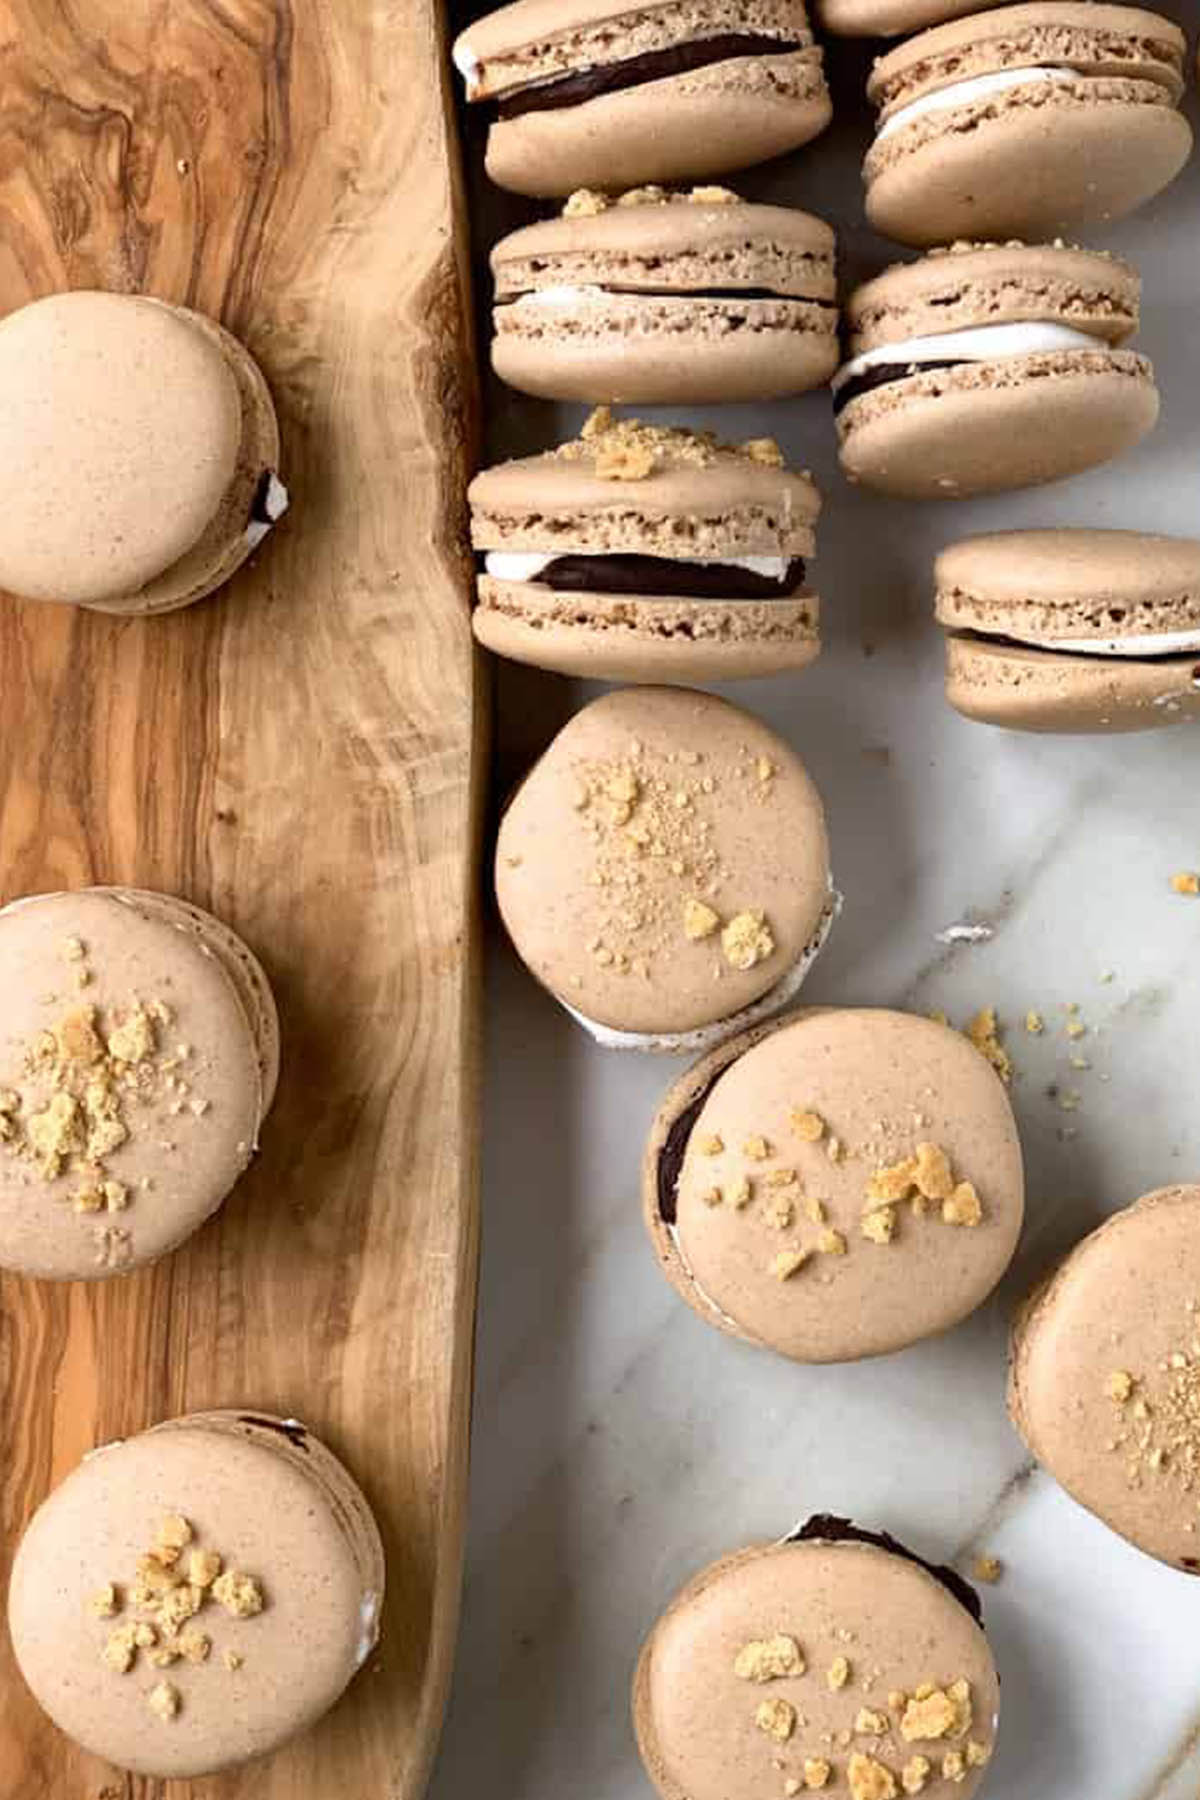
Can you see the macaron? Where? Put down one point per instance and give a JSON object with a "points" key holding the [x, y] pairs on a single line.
{"points": [[139, 1054], [192, 1598], [989, 367], [839, 1185], [138, 453], [1104, 1380], [1072, 631], [834, 1660], [647, 553], [664, 869], [892, 18], [1025, 121], [668, 299], [592, 93]]}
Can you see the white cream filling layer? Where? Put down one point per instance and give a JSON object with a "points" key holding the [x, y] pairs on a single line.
{"points": [[1149, 643], [707, 1037], [962, 93], [275, 503], [974, 343], [468, 66], [527, 565], [562, 295]]}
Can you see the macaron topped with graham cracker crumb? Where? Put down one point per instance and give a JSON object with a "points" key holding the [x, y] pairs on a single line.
{"points": [[835, 1661], [139, 1054], [836, 1186], [196, 1596], [664, 869]]}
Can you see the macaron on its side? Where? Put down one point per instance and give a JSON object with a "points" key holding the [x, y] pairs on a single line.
{"points": [[1072, 631], [677, 91], [192, 1598], [816, 1663], [1104, 1375], [667, 299], [992, 367], [1025, 121], [646, 553], [664, 869], [836, 1186], [138, 1058]]}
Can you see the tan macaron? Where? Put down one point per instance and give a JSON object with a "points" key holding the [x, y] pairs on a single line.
{"points": [[1104, 1381], [139, 1054], [589, 93], [664, 869], [193, 1598], [836, 1186], [138, 453], [835, 1661]]}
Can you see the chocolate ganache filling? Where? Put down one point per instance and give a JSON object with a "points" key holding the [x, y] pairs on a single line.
{"points": [[670, 1157], [883, 374], [663, 575], [635, 71], [826, 1528]]}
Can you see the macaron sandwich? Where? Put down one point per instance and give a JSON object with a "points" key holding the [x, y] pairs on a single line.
{"points": [[193, 1598], [664, 870], [836, 1186], [611, 93], [139, 1055], [1072, 631], [138, 453], [1024, 121], [647, 553], [667, 299], [836, 1660], [1104, 1380], [988, 367]]}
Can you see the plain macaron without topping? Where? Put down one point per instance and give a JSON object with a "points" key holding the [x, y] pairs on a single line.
{"points": [[139, 1055], [1072, 631], [893, 18], [983, 368], [138, 450], [834, 1661], [1104, 1380], [647, 553], [1026, 121], [836, 1186], [664, 869], [612, 93], [194, 1597], [667, 299]]}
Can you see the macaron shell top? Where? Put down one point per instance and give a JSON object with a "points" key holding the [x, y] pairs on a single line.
{"points": [[1105, 1375], [274, 1505], [892, 18], [1022, 689], [138, 1057], [664, 839], [708, 1732], [772, 1227]]}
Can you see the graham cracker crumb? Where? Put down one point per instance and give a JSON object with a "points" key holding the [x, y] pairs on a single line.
{"points": [[814, 1210], [870, 1779], [936, 1712], [817, 1773], [164, 1701], [831, 1243], [233, 1662], [984, 1032], [897, 1700], [954, 1767], [781, 1213], [769, 1659], [194, 1646], [764, 451], [963, 1207], [105, 1603], [879, 1225], [699, 921], [711, 1196], [777, 1718], [978, 1755], [585, 203], [1187, 882], [757, 1149], [837, 1674], [782, 1178], [1035, 1024], [713, 196], [739, 1193], [987, 1569], [240, 1595], [788, 1263], [932, 1177], [809, 1127], [174, 1535], [711, 1144], [747, 940], [1119, 1385], [915, 1774], [868, 1723]]}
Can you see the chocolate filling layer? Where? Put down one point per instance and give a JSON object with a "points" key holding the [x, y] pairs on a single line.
{"points": [[651, 293], [883, 374], [296, 1435], [628, 574], [1004, 642], [826, 1528], [670, 1157], [260, 513], [635, 71]]}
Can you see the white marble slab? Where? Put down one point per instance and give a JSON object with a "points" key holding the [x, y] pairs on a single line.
{"points": [[619, 1442]]}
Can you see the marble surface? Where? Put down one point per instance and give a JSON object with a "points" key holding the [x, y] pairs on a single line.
{"points": [[620, 1443]]}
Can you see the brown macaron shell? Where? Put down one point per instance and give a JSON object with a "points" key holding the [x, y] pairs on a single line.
{"points": [[994, 423], [1122, 1305], [893, 18], [660, 319], [648, 801], [730, 113], [275, 1505], [879, 1083], [1038, 158], [892, 1624], [151, 430]]}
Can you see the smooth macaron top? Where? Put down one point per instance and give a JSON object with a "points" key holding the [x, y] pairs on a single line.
{"points": [[837, 1186], [1105, 1377], [891, 18], [193, 1597], [138, 1057], [839, 1666], [973, 285], [665, 864], [121, 418]]}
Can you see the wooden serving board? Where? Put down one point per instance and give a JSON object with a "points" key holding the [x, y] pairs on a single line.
{"points": [[302, 755]]}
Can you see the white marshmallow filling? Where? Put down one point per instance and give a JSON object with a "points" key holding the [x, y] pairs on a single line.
{"points": [[965, 93], [885, 363]]}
